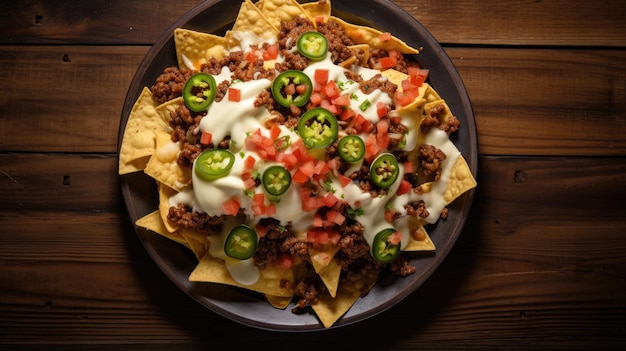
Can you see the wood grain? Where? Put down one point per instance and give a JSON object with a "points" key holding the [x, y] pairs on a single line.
{"points": [[489, 22], [526, 102], [539, 258]]}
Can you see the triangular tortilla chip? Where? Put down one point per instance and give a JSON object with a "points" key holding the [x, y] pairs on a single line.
{"points": [[195, 48], [329, 309], [460, 181], [138, 140], [165, 193], [153, 222], [277, 11], [326, 267], [419, 240], [270, 282], [318, 9], [250, 19], [197, 242], [373, 37], [163, 166]]}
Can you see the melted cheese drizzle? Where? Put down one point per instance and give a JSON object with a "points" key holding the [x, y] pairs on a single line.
{"points": [[236, 119]]}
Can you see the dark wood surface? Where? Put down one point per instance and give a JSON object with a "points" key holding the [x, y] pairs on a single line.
{"points": [[541, 263]]}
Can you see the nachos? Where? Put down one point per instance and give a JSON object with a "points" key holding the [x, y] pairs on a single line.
{"points": [[298, 156]]}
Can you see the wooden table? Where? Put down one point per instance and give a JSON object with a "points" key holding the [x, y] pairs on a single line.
{"points": [[541, 262]]}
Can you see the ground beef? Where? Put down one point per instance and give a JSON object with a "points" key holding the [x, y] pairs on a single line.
{"points": [[416, 209], [402, 63], [290, 31], [185, 217], [308, 292], [338, 41], [378, 82], [169, 85], [433, 120], [277, 241], [402, 267], [430, 159]]}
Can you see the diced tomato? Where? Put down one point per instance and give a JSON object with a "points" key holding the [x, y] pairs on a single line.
{"points": [[387, 62], [344, 181], [321, 75], [249, 183], [335, 216], [231, 207], [234, 94], [321, 168], [404, 187], [274, 132], [205, 138], [384, 36], [382, 137], [316, 99], [393, 53], [395, 238], [390, 214], [381, 109], [308, 168], [299, 177], [409, 167], [270, 209], [285, 261], [251, 56], [318, 221], [347, 114], [331, 89], [342, 100], [288, 159], [271, 52], [371, 147], [320, 19], [248, 162], [327, 104], [330, 200], [261, 230], [361, 124]]}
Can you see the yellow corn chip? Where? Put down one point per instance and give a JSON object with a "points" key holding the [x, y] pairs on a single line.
{"points": [[373, 37], [213, 270], [318, 9], [461, 180], [138, 140], [197, 242], [195, 48], [163, 166], [153, 222], [250, 19], [329, 309], [277, 11], [165, 193]]}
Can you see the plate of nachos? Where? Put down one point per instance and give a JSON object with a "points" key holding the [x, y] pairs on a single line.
{"points": [[297, 166]]}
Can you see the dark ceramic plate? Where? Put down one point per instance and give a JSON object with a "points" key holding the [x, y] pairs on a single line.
{"points": [[140, 193]]}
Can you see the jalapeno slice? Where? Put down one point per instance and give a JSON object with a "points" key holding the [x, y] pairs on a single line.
{"points": [[241, 242], [199, 92], [318, 128], [384, 170], [276, 180], [351, 148], [292, 88], [383, 249], [214, 163], [313, 45]]}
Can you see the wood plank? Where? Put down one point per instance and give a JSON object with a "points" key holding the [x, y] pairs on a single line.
{"points": [[569, 23], [559, 102], [513, 271]]}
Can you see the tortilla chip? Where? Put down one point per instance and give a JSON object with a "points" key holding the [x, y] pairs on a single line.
{"points": [[329, 309], [362, 51], [326, 267], [443, 117], [163, 166], [213, 270], [318, 9], [460, 181], [277, 11], [165, 193], [165, 109], [280, 302], [153, 222], [195, 48], [373, 37], [419, 240], [251, 19], [138, 140], [197, 242]]}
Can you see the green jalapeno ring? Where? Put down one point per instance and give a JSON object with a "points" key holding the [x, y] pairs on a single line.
{"points": [[276, 180], [313, 45], [284, 80], [384, 170], [241, 242], [199, 92], [318, 128], [382, 250], [351, 148], [213, 164]]}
